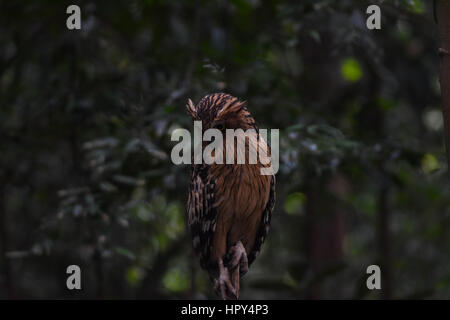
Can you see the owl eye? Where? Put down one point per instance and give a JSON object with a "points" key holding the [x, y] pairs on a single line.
{"points": [[219, 126]]}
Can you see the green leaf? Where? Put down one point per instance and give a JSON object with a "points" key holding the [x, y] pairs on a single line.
{"points": [[175, 224], [416, 6], [351, 70], [134, 276], [315, 35], [294, 202], [125, 252], [175, 280], [386, 103], [429, 163]]}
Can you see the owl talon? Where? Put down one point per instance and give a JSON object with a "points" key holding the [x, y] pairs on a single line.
{"points": [[223, 286], [238, 256]]}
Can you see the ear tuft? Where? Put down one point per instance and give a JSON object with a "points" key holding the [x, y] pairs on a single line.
{"points": [[191, 109], [234, 106]]}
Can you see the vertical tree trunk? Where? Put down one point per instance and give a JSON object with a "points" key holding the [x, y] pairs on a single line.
{"points": [[384, 243], [98, 265], [442, 11], [4, 262], [325, 226], [192, 272]]}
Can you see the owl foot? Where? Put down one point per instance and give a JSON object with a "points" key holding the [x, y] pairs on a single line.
{"points": [[222, 285], [238, 258]]}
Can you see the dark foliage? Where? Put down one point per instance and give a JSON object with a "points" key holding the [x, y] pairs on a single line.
{"points": [[85, 123]]}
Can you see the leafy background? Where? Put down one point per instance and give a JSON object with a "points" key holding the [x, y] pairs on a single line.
{"points": [[85, 123]]}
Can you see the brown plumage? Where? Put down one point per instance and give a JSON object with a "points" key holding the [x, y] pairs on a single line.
{"points": [[229, 205]]}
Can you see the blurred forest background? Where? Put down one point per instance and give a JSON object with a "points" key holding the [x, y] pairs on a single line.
{"points": [[85, 123]]}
